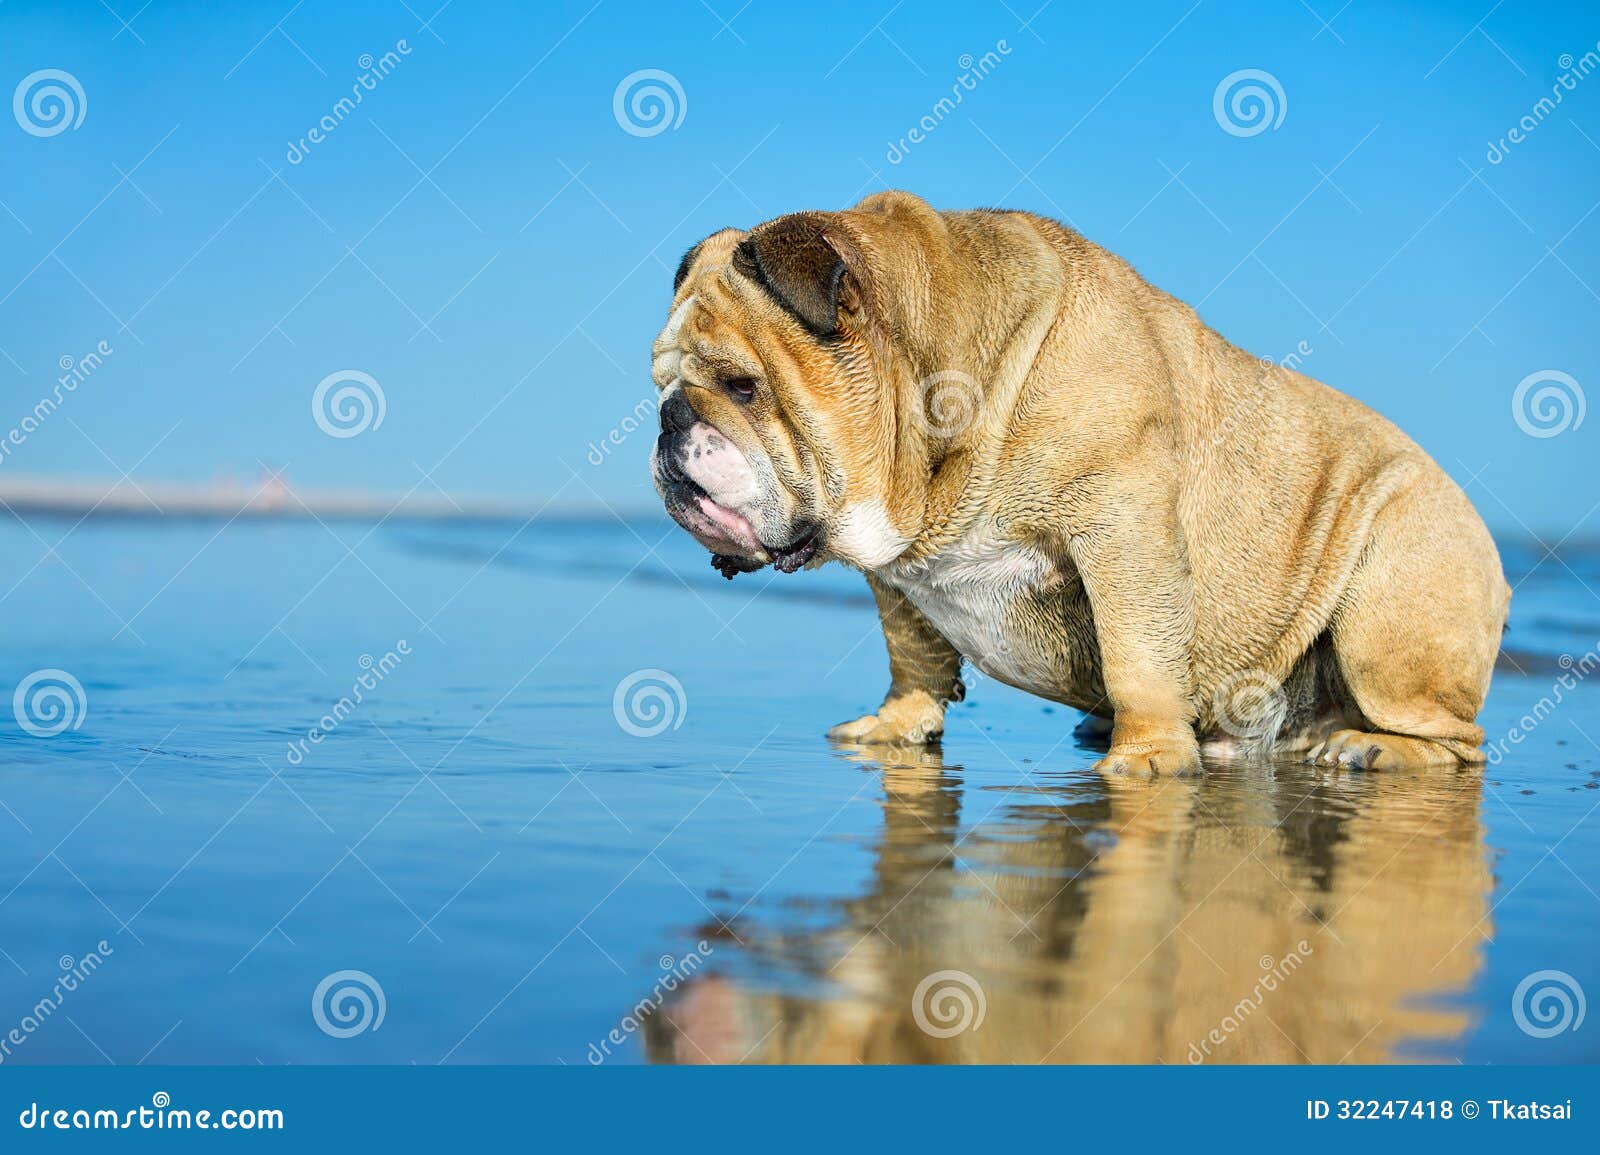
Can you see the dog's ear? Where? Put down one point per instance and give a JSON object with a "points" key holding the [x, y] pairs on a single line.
{"points": [[796, 260]]}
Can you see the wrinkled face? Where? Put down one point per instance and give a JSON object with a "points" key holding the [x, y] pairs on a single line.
{"points": [[767, 430]]}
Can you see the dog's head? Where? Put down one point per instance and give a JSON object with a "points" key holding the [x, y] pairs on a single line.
{"points": [[783, 367]]}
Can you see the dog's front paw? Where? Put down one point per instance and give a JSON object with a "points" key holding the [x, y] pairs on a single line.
{"points": [[1179, 757], [873, 730], [914, 720]]}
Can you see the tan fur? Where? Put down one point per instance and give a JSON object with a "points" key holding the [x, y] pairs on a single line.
{"points": [[1137, 515]]}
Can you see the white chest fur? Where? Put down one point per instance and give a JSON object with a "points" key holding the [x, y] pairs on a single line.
{"points": [[968, 591]]}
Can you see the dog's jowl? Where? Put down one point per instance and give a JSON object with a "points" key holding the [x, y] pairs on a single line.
{"points": [[1050, 468]]}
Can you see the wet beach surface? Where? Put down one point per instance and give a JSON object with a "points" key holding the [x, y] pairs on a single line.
{"points": [[502, 845]]}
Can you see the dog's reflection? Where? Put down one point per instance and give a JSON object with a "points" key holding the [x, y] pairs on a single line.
{"points": [[1260, 914]]}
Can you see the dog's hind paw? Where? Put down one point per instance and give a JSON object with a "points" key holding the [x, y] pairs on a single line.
{"points": [[1359, 750]]}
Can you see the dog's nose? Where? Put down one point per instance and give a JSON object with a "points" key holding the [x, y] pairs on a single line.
{"points": [[677, 415]]}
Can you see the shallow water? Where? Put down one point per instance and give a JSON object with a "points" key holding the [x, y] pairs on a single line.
{"points": [[528, 881]]}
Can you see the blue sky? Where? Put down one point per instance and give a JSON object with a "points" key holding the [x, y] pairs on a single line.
{"points": [[483, 238]]}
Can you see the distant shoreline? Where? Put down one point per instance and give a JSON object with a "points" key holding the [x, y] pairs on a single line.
{"points": [[272, 500]]}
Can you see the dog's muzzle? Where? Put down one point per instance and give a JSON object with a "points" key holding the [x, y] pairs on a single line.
{"points": [[704, 481]]}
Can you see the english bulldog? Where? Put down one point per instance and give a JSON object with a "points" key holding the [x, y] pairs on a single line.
{"points": [[1052, 469]]}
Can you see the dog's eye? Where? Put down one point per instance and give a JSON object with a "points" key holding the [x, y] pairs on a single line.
{"points": [[741, 388]]}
